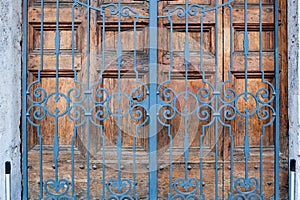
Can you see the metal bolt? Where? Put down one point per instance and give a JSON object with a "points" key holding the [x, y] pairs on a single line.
{"points": [[94, 166], [229, 167], [122, 167], [161, 167], [53, 166], [189, 167], [256, 167], [269, 182], [203, 184], [81, 166]]}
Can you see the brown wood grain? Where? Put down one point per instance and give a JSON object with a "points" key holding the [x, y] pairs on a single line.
{"points": [[91, 75]]}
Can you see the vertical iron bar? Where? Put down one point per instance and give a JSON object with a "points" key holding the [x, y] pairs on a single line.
{"points": [[57, 53], [24, 101], [229, 78], [169, 131], [136, 128], [119, 113], [186, 63], [75, 80], [75, 127], [57, 48], [88, 101], [246, 49], [216, 101], [39, 76], [277, 145], [152, 98], [263, 80], [101, 79]]}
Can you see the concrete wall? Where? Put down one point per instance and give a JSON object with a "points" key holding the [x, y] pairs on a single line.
{"points": [[10, 93], [294, 87]]}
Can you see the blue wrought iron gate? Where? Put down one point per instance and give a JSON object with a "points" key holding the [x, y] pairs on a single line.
{"points": [[151, 99]]}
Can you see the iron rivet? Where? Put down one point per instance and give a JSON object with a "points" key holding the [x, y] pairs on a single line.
{"points": [[81, 166], [29, 167], [94, 167], [269, 182], [229, 167], [255, 167], [136, 183], [147, 166], [203, 184], [121, 167], [53, 166], [161, 167], [189, 167]]}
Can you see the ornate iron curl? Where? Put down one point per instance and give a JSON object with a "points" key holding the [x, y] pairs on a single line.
{"points": [[137, 94], [181, 12], [246, 184], [116, 197], [264, 113], [204, 93], [242, 95], [229, 111], [38, 92], [58, 185], [119, 185], [193, 9], [186, 95], [76, 113], [98, 113], [186, 184], [247, 197], [75, 93], [126, 10], [168, 94], [56, 98], [38, 114], [263, 96], [113, 10], [100, 93], [204, 115], [183, 197], [137, 115], [229, 94], [117, 95], [168, 113]]}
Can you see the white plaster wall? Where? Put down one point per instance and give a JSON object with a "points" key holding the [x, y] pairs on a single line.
{"points": [[294, 87], [10, 93]]}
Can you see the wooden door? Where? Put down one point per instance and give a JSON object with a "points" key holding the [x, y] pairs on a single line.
{"points": [[88, 91], [220, 143]]}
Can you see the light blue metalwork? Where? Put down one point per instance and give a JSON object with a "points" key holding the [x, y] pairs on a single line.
{"points": [[24, 102], [277, 107], [215, 107]]}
